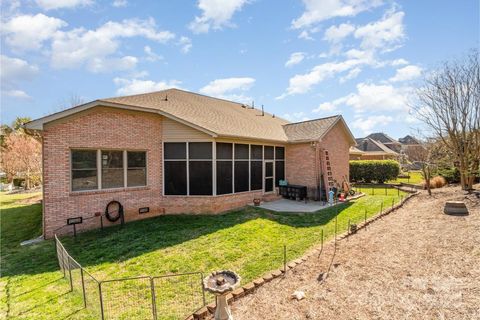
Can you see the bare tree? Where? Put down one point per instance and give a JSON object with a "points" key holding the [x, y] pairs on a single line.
{"points": [[449, 104]]}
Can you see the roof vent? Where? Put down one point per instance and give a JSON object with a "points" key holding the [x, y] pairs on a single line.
{"points": [[166, 97]]}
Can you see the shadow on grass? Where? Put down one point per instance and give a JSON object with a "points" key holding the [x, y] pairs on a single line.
{"points": [[116, 243]]}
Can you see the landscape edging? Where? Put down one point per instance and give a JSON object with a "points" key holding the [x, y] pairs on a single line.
{"points": [[250, 287]]}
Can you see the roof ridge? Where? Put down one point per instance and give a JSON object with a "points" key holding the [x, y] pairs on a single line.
{"points": [[310, 120]]}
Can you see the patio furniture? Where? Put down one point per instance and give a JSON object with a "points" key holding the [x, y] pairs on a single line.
{"points": [[293, 191]]}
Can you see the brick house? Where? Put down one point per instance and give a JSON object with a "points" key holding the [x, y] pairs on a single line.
{"points": [[172, 152]]}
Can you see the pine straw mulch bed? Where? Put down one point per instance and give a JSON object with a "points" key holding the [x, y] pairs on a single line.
{"points": [[416, 263]]}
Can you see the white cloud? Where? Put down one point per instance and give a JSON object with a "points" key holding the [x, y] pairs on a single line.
{"points": [[399, 62], [372, 97], [84, 47], [99, 65], [384, 33], [302, 83], [369, 124], [28, 32], [338, 33], [331, 106], [229, 88], [19, 94], [151, 56], [12, 72], [407, 73], [119, 3], [58, 4], [320, 10], [215, 14], [186, 44], [136, 86], [296, 116], [352, 74], [295, 58]]}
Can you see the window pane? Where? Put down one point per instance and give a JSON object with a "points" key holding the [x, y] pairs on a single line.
{"points": [[112, 169], [84, 159], [279, 171], [112, 159], [175, 177], [200, 174], [241, 176], [256, 175], [137, 168], [256, 152], [112, 178], [84, 180], [200, 150], [241, 151], [175, 150], [268, 152], [137, 159], [224, 150], [136, 177], [224, 177], [279, 153]]}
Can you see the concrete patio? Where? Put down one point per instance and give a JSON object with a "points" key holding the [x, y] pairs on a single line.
{"points": [[286, 205]]}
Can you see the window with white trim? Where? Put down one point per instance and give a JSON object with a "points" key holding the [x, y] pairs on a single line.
{"points": [[107, 169]]}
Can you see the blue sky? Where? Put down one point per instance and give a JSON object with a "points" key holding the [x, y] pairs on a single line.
{"points": [[300, 59]]}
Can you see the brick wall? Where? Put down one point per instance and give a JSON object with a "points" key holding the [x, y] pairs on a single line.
{"points": [[106, 128], [300, 159]]}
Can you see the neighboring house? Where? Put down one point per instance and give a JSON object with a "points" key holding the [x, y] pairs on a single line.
{"points": [[370, 149], [386, 140], [176, 152]]}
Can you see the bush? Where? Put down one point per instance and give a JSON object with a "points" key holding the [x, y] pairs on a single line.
{"points": [[374, 170], [452, 175], [436, 182]]}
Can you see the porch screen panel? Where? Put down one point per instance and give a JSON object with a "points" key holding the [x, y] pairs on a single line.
{"points": [[241, 169], [84, 170], [224, 168], [256, 175], [200, 168], [175, 168], [279, 164], [256, 167]]}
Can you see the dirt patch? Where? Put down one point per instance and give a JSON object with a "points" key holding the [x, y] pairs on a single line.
{"points": [[416, 263]]}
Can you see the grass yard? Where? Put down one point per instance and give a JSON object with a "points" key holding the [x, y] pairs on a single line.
{"points": [[249, 241], [415, 178]]}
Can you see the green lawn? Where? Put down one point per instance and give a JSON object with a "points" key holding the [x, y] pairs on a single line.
{"points": [[415, 178], [249, 241]]}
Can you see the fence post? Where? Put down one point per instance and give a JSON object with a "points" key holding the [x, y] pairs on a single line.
{"points": [[393, 202], [322, 239], [385, 190], [365, 217], [373, 191], [101, 299], [398, 192], [348, 230], [284, 260], [70, 274], [335, 229], [154, 300], [83, 289], [203, 289], [381, 208]]}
